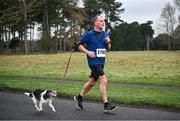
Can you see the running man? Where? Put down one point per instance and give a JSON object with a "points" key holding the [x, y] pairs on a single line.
{"points": [[97, 42]]}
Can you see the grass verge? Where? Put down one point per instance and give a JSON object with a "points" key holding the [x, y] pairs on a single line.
{"points": [[140, 67], [125, 95]]}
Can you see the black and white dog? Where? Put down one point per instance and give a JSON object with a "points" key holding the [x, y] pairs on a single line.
{"points": [[40, 97]]}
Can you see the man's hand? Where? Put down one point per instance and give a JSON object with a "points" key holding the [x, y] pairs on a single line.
{"points": [[108, 43], [91, 54]]}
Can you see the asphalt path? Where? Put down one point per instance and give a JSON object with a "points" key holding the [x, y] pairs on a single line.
{"points": [[17, 106]]}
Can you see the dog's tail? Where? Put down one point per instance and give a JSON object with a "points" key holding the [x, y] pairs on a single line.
{"points": [[28, 94]]}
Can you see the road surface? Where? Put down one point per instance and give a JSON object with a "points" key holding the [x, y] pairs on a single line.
{"points": [[17, 106]]}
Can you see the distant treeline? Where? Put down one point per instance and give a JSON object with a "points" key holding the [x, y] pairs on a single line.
{"points": [[62, 22], [135, 36]]}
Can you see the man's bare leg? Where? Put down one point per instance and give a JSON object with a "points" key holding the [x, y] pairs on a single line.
{"points": [[88, 86], [102, 88], [85, 90]]}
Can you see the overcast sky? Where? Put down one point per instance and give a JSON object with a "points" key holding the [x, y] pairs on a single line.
{"points": [[143, 10]]}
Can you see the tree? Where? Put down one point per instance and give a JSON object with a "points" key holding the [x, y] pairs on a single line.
{"points": [[161, 42], [14, 43], [67, 20], [177, 3], [14, 15], [25, 28], [168, 22], [110, 8], [147, 32], [177, 32], [127, 37], [177, 37]]}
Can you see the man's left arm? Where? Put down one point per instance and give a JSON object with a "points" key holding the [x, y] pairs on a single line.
{"points": [[108, 43]]}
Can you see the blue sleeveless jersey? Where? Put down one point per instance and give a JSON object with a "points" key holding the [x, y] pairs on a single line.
{"points": [[95, 41]]}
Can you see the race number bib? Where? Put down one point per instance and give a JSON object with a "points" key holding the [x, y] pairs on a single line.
{"points": [[101, 52]]}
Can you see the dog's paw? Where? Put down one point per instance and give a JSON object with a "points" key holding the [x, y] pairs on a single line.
{"points": [[40, 110], [54, 110]]}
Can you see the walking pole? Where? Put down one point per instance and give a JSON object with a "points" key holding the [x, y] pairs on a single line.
{"points": [[69, 60]]}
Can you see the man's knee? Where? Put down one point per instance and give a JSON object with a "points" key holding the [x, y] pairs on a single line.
{"points": [[91, 82], [103, 79]]}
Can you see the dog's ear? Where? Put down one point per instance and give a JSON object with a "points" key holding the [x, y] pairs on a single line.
{"points": [[47, 95], [48, 91]]}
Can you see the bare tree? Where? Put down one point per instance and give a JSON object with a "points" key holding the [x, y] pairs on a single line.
{"points": [[177, 32], [168, 22], [177, 3]]}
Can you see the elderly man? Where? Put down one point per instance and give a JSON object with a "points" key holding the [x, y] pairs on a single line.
{"points": [[97, 42]]}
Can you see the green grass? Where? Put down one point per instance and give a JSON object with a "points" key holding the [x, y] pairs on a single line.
{"points": [[142, 67], [136, 67], [125, 95]]}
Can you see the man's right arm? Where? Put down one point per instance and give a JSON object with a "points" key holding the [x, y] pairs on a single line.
{"points": [[89, 53]]}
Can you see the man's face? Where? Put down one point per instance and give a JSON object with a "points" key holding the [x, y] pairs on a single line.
{"points": [[99, 23]]}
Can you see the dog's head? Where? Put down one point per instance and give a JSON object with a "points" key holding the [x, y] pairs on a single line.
{"points": [[51, 93]]}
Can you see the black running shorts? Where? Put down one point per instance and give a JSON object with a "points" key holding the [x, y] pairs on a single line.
{"points": [[96, 71]]}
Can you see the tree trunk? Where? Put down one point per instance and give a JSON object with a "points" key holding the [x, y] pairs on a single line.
{"points": [[9, 37], [147, 42], [21, 40], [30, 39], [32, 44], [47, 20], [64, 44], [60, 44], [6, 39], [1, 40], [56, 38], [174, 45], [169, 44], [25, 29], [61, 40]]}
